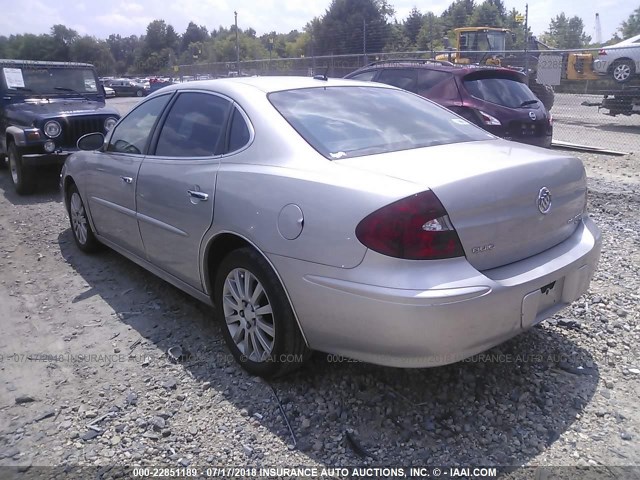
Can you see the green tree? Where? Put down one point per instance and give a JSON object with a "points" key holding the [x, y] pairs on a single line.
{"points": [[397, 40], [458, 14], [194, 34], [413, 24], [631, 26], [566, 33], [486, 14], [62, 40], [431, 32], [341, 30], [88, 49]]}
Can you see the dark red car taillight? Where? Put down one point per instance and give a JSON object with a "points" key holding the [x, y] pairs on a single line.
{"points": [[414, 228]]}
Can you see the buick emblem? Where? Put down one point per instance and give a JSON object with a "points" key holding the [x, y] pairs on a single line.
{"points": [[532, 115], [544, 200]]}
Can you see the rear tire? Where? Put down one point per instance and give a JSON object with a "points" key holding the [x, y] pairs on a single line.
{"points": [[623, 70], [80, 226], [21, 176], [259, 326], [139, 93]]}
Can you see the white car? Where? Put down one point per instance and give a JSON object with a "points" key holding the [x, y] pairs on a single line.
{"points": [[621, 60]]}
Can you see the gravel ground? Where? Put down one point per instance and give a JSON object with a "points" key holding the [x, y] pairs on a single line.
{"points": [[85, 371]]}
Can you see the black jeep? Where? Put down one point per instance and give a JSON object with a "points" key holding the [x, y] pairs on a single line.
{"points": [[45, 107]]}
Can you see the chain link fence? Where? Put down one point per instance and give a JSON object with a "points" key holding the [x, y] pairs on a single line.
{"points": [[596, 94]]}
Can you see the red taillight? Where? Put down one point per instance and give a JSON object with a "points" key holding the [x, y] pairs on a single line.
{"points": [[414, 228], [602, 52]]}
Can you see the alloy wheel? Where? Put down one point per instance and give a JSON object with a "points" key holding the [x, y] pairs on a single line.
{"points": [[78, 218], [248, 315], [621, 72]]}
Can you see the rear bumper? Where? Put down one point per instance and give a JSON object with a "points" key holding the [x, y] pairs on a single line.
{"points": [[419, 314]]}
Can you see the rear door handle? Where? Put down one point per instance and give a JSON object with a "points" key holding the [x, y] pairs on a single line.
{"points": [[126, 179], [198, 195]]}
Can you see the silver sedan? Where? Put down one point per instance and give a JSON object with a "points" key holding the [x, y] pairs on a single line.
{"points": [[346, 217]]}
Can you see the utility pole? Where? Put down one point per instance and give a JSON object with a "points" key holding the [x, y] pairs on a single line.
{"points": [[364, 40], [237, 45], [526, 40]]}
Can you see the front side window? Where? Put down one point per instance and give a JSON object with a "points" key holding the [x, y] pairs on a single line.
{"points": [[343, 122], [132, 133], [194, 126], [502, 91]]}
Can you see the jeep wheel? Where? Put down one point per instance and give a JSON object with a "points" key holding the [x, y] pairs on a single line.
{"points": [[22, 177]]}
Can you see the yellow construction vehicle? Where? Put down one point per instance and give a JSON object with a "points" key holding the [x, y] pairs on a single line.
{"points": [[494, 46]]}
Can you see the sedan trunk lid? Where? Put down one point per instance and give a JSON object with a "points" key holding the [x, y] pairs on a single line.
{"points": [[496, 194]]}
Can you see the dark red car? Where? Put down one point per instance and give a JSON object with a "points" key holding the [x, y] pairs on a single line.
{"points": [[496, 99]]}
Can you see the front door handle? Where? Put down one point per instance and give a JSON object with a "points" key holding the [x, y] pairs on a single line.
{"points": [[126, 179], [198, 195]]}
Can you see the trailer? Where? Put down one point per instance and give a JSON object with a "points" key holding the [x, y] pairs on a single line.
{"points": [[619, 101]]}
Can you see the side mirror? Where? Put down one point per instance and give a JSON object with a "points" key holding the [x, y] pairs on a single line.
{"points": [[90, 141]]}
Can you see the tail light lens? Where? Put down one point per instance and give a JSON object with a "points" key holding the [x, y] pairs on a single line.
{"points": [[602, 52], [488, 119], [414, 228]]}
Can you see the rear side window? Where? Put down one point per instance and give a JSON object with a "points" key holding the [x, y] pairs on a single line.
{"points": [[502, 91], [343, 122], [239, 134], [405, 78], [194, 126], [427, 79]]}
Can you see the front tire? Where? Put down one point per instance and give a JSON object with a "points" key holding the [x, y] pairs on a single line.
{"points": [[21, 176], [139, 93], [80, 227], [623, 70], [259, 326]]}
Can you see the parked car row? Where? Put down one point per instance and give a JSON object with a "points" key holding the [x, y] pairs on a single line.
{"points": [[350, 217], [127, 87]]}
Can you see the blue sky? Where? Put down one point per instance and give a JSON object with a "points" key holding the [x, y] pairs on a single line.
{"points": [[128, 17]]}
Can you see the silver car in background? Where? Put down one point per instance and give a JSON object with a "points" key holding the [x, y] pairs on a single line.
{"points": [[620, 60], [346, 217]]}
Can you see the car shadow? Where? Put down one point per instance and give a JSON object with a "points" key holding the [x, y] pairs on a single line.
{"points": [[47, 190], [500, 408]]}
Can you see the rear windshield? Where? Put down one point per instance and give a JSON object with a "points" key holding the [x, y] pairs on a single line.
{"points": [[37, 79], [342, 122], [503, 91]]}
